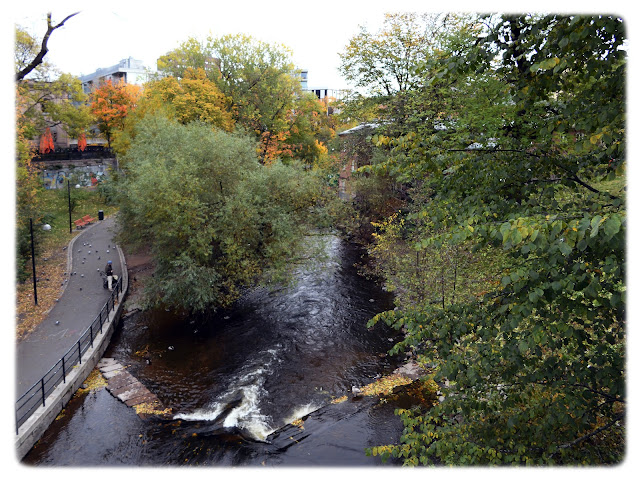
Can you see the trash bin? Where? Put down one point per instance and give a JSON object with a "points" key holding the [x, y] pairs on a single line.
{"points": [[100, 215]]}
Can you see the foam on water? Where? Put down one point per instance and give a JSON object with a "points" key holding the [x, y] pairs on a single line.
{"points": [[247, 416], [301, 411]]}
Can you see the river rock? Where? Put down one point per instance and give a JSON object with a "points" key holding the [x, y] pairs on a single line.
{"points": [[410, 370]]}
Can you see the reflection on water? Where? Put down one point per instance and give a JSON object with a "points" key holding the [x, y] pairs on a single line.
{"points": [[237, 376]]}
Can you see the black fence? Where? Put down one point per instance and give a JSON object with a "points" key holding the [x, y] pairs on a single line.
{"points": [[74, 153], [36, 396]]}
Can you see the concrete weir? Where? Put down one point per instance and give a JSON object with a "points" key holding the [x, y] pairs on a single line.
{"points": [[128, 389]]}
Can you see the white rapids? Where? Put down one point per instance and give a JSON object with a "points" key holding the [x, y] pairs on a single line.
{"points": [[246, 415]]}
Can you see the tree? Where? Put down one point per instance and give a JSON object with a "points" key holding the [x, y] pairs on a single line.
{"points": [[388, 65], [384, 63], [259, 79], [311, 129], [27, 201], [44, 99], [111, 103], [26, 66], [82, 142], [533, 357], [191, 55], [216, 219], [46, 142], [48, 103], [48, 98], [191, 98]]}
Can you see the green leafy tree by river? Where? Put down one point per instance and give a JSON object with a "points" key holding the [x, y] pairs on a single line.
{"points": [[517, 179], [215, 218]]}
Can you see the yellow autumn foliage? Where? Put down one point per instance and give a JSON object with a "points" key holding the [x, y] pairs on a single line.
{"points": [[385, 385], [151, 408]]}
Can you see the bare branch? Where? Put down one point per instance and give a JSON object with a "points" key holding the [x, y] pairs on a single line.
{"points": [[43, 48]]}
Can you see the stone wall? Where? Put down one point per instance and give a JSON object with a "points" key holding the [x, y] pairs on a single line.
{"points": [[79, 172]]}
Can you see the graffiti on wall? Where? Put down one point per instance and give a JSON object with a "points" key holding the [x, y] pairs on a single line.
{"points": [[86, 176]]}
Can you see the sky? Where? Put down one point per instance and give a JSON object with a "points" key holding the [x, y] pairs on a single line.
{"points": [[316, 31], [106, 32]]}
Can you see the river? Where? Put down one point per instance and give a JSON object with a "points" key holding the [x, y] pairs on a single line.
{"points": [[237, 378]]}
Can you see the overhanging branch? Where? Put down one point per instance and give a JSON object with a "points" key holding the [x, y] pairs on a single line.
{"points": [[43, 48], [573, 176], [617, 418]]}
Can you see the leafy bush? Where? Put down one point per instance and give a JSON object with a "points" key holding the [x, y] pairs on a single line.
{"points": [[215, 218]]}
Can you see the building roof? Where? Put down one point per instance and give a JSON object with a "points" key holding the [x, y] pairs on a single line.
{"points": [[357, 128], [126, 65]]}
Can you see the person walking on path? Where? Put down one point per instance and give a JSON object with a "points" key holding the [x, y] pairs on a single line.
{"points": [[76, 308], [110, 276]]}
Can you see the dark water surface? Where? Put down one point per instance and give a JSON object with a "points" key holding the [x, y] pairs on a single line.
{"points": [[237, 379]]}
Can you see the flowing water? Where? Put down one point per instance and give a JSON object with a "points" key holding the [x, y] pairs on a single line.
{"points": [[238, 378]]}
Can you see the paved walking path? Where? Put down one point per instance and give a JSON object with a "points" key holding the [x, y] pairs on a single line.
{"points": [[79, 304]]}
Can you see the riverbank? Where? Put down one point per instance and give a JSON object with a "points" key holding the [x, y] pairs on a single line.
{"points": [[141, 269]]}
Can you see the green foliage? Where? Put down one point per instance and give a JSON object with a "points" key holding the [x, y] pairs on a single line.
{"points": [[191, 54], [185, 99], [260, 83], [57, 102], [508, 152], [216, 219], [390, 65], [420, 271], [310, 129], [28, 204], [385, 62], [375, 197], [255, 75]]}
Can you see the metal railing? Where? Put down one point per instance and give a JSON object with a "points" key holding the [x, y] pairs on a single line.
{"points": [[37, 395], [73, 153]]}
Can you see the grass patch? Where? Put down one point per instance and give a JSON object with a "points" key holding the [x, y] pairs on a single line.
{"points": [[56, 212]]}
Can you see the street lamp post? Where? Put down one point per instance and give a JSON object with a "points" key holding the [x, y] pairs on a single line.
{"points": [[33, 262], [69, 195]]}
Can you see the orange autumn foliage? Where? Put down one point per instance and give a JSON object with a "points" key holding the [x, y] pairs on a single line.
{"points": [[273, 146], [111, 103], [46, 142], [82, 142]]}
